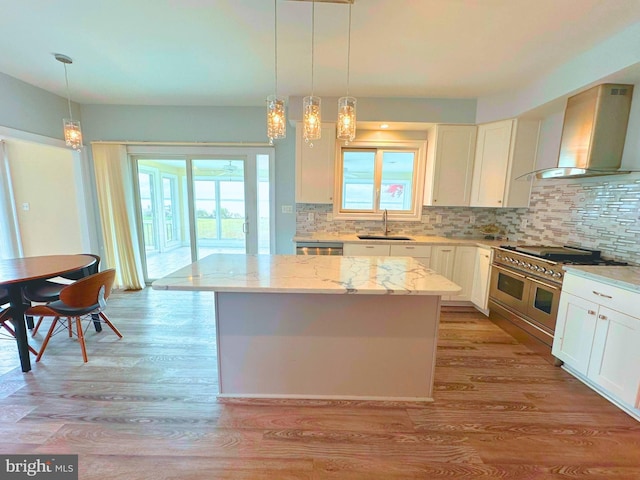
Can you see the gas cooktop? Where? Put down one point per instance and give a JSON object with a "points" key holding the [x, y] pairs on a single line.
{"points": [[567, 255]]}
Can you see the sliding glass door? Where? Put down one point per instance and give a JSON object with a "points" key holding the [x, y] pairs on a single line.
{"points": [[194, 206]]}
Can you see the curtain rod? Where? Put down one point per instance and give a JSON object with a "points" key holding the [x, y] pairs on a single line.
{"points": [[186, 144]]}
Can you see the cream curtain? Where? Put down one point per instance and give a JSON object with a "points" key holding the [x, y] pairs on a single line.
{"points": [[117, 214], [10, 242]]}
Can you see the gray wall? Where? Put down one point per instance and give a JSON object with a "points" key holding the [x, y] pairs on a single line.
{"points": [[31, 109]]}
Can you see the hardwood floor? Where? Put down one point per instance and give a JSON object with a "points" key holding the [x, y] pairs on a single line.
{"points": [[144, 407]]}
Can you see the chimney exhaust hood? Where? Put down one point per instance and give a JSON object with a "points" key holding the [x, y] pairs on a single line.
{"points": [[593, 133]]}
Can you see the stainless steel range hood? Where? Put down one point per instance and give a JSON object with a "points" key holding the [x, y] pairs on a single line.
{"points": [[593, 133]]}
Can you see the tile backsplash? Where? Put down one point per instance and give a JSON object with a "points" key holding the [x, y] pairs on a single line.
{"points": [[601, 213], [455, 221]]}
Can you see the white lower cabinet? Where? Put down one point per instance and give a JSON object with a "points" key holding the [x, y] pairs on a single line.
{"points": [[481, 277], [463, 265], [598, 338], [455, 263], [373, 249], [365, 249]]}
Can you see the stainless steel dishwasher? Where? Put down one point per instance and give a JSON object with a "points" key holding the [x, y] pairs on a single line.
{"points": [[318, 248]]}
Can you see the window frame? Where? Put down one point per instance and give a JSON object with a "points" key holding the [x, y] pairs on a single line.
{"points": [[412, 215]]}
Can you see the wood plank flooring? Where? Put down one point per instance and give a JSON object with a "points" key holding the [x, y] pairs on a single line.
{"points": [[144, 407]]}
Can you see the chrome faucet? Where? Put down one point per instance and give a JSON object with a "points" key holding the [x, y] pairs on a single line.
{"points": [[384, 219]]}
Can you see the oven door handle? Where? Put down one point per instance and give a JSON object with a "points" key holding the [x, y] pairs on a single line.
{"points": [[553, 287], [510, 272]]}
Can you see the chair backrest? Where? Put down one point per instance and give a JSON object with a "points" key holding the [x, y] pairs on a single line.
{"points": [[90, 290], [83, 272]]}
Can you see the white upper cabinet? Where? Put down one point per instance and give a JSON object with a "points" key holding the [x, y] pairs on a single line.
{"points": [[505, 150], [315, 166], [450, 157]]}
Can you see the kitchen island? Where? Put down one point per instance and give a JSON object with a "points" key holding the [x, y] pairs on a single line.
{"points": [[321, 326]]}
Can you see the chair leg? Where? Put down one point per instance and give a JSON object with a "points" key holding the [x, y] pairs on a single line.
{"points": [[70, 327], [108, 322], [35, 329], [29, 319], [47, 338], [81, 339], [13, 334]]}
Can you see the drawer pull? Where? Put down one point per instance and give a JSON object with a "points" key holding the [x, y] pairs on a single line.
{"points": [[602, 294], [602, 317], [591, 312]]}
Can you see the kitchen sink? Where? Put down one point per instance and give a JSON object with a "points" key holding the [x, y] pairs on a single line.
{"points": [[383, 237]]}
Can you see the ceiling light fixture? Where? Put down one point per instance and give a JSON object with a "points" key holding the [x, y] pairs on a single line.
{"points": [[311, 109], [276, 109], [346, 129], [71, 127]]}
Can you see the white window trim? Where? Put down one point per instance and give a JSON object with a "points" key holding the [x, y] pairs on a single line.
{"points": [[416, 211]]}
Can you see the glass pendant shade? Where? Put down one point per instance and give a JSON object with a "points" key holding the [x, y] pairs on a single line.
{"points": [[72, 133], [311, 120], [276, 118], [346, 119]]}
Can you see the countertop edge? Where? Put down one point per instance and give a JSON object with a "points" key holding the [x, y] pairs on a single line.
{"points": [[609, 275], [419, 240]]}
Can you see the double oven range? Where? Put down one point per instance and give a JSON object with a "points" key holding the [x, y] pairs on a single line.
{"points": [[526, 281]]}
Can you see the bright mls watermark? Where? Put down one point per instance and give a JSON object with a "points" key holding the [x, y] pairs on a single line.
{"points": [[50, 467]]}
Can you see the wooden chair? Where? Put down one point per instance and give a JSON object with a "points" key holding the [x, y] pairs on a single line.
{"points": [[81, 299], [48, 290], [5, 317]]}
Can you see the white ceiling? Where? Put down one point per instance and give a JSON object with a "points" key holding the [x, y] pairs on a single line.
{"points": [[221, 52]]}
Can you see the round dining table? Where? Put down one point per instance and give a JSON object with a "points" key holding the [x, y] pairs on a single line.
{"points": [[15, 273]]}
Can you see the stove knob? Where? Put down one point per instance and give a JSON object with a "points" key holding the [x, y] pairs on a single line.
{"points": [[557, 275], [548, 272]]}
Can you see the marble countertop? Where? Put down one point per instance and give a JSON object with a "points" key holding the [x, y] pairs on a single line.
{"points": [[620, 276], [416, 240], [308, 274]]}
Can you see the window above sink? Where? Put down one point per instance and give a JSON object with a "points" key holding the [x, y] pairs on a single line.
{"points": [[374, 177]]}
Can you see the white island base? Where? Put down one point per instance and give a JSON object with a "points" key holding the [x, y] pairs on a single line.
{"points": [[326, 346]]}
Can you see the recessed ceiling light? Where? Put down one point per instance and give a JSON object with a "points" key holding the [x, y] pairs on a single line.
{"points": [[384, 125]]}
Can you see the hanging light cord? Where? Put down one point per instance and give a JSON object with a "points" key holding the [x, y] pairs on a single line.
{"points": [[66, 80], [349, 51], [275, 40], [313, 27]]}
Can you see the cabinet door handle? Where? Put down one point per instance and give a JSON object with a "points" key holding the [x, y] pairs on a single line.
{"points": [[602, 317], [601, 294], [410, 248], [445, 250], [368, 246], [591, 312]]}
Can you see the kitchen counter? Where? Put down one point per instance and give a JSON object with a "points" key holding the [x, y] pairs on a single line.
{"points": [[620, 276], [417, 240], [308, 274], [287, 326]]}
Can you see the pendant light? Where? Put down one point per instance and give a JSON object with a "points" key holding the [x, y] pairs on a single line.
{"points": [[276, 113], [346, 127], [71, 127], [311, 113]]}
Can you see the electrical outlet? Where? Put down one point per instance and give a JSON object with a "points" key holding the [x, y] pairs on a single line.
{"points": [[310, 217], [287, 208], [329, 217], [472, 219], [438, 219], [523, 224]]}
